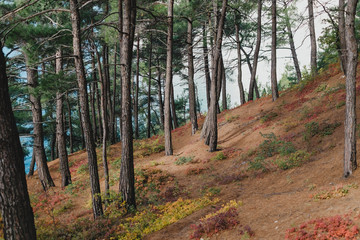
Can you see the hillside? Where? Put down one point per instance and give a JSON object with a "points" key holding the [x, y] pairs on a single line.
{"points": [[278, 169]]}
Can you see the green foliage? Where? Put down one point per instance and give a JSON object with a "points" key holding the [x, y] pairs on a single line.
{"points": [[313, 128], [219, 156], [116, 163], [155, 218], [63, 208], [184, 160], [322, 87], [295, 159], [270, 147], [340, 104], [147, 148], [83, 168]]}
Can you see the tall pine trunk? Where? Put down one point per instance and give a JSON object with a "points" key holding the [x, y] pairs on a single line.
{"points": [[149, 90], [40, 157], [192, 98], [292, 45], [209, 131], [84, 106], [342, 35], [60, 133], [168, 81], [206, 66], [136, 100], [104, 120], [161, 104], [71, 145], [127, 178], [274, 87], [313, 54], [16, 211], [350, 163], [240, 84], [256, 55]]}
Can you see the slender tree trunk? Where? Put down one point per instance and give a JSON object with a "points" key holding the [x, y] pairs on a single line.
{"points": [[120, 10], [136, 108], [173, 107], [113, 119], [104, 97], [342, 35], [161, 105], [60, 134], [81, 125], [149, 90], [71, 146], [40, 157], [240, 84], [93, 95], [292, 46], [90, 144], [191, 72], [127, 179], [256, 54], [206, 67], [209, 131], [168, 82], [15, 205], [350, 163], [223, 90], [274, 86], [53, 146], [313, 59], [32, 165]]}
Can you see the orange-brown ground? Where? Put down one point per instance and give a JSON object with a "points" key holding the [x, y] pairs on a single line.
{"points": [[273, 201]]}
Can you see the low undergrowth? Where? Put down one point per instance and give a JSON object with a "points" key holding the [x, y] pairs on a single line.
{"points": [[335, 192], [337, 227], [224, 218]]}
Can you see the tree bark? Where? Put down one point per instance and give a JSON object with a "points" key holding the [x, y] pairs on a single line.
{"points": [[173, 107], [93, 95], [209, 131], [149, 90], [350, 163], [161, 104], [71, 146], [127, 179], [342, 36], [60, 134], [274, 87], [39, 150], [136, 107], [104, 120], [256, 54], [223, 90], [292, 45], [206, 67], [168, 81], [240, 84], [191, 72], [89, 141], [15, 205], [113, 116], [313, 54], [32, 165]]}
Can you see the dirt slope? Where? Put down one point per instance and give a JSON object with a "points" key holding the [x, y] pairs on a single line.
{"points": [[274, 200]]}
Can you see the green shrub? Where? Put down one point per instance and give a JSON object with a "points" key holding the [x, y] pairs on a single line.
{"points": [[83, 168], [219, 156], [321, 87], [183, 160], [313, 128], [295, 159]]}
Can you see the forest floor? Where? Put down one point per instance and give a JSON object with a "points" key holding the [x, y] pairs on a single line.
{"points": [[285, 185]]}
